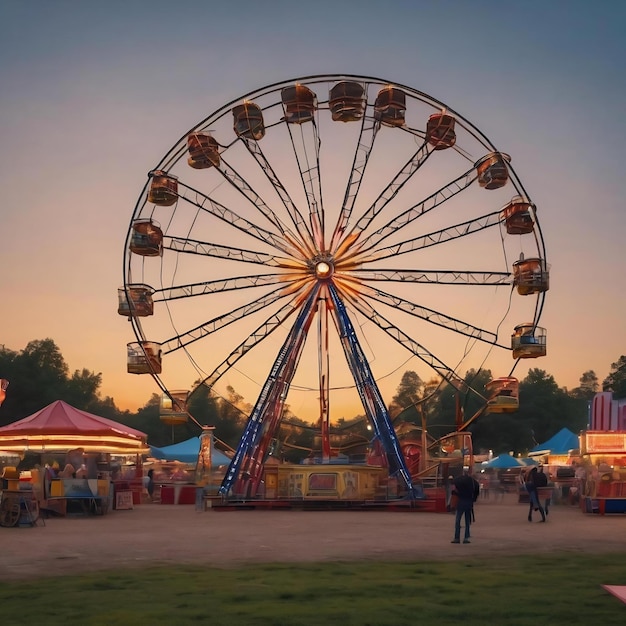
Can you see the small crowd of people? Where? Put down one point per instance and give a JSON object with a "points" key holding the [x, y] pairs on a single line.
{"points": [[466, 490]]}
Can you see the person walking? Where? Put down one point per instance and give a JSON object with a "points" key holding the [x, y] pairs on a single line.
{"points": [[534, 480], [541, 480], [466, 489], [150, 484]]}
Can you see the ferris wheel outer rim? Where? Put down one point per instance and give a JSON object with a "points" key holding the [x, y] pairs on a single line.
{"points": [[317, 79]]}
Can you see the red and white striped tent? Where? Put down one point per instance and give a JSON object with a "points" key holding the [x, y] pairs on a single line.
{"points": [[59, 426]]}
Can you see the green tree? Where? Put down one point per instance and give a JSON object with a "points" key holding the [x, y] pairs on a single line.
{"points": [[296, 439], [42, 374], [105, 407], [616, 380], [203, 407], [588, 387], [438, 407], [408, 394], [82, 388], [38, 375], [544, 409], [466, 397], [231, 417]]}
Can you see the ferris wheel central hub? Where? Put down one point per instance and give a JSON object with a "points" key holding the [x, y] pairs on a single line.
{"points": [[323, 269]]}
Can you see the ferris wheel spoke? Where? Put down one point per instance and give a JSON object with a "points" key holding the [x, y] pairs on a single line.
{"points": [[216, 324], [425, 241], [308, 163], [294, 214], [369, 393], [430, 315], [244, 188], [234, 219], [422, 353], [365, 143], [205, 248], [439, 277], [406, 217], [266, 414], [257, 336], [217, 286], [389, 193]]}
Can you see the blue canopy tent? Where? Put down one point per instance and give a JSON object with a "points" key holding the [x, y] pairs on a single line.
{"points": [[528, 461], [504, 461], [561, 443], [187, 452]]}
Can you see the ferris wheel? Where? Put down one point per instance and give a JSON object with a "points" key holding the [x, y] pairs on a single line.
{"points": [[308, 242]]}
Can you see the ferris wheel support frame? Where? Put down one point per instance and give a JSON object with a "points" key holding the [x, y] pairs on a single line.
{"points": [[244, 472]]}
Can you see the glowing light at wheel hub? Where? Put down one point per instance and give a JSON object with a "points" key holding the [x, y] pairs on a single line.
{"points": [[323, 270]]}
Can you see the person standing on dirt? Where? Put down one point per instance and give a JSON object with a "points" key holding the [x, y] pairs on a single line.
{"points": [[466, 488], [150, 484], [542, 481], [535, 480]]}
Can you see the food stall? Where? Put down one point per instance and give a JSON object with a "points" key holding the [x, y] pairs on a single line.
{"points": [[74, 457]]}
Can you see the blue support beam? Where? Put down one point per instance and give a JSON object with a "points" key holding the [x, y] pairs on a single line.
{"points": [[371, 397]]}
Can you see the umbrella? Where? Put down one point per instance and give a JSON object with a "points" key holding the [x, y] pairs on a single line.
{"points": [[504, 461]]}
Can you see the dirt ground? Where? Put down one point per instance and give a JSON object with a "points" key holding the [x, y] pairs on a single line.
{"points": [[167, 534]]}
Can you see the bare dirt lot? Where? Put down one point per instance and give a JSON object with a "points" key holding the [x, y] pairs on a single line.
{"points": [[152, 534]]}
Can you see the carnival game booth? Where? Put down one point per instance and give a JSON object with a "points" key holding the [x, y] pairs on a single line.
{"points": [[604, 454], [602, 469], [75, 456]]}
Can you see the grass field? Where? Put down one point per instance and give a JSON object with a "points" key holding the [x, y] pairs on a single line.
{"points": [[556, 589]]}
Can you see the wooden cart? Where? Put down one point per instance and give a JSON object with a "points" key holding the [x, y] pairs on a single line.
{"points": [[16, 506]]}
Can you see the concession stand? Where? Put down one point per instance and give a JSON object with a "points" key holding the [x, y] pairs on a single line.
{"points": [[605, 473], [77, 458], [603, 467]]}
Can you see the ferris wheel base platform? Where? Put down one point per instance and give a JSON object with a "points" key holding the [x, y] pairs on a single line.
{"points": [[433, 502]]}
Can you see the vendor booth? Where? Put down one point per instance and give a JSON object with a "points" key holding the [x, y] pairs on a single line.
{"points": [[178, 473], [187, 452], [560, 455], [78, 456], [605, 472], [559, 447]]}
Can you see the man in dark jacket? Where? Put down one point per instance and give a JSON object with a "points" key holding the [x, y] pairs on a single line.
{"points": [[466, 488], [535, 480]]}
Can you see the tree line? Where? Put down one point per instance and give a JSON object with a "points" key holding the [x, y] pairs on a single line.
{"points": [[39, 375]]}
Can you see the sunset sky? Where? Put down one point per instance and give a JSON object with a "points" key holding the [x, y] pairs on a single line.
{"points": [[94, 94]]}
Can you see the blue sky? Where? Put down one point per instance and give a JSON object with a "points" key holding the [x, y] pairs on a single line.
{"points": [[94, 94]]}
